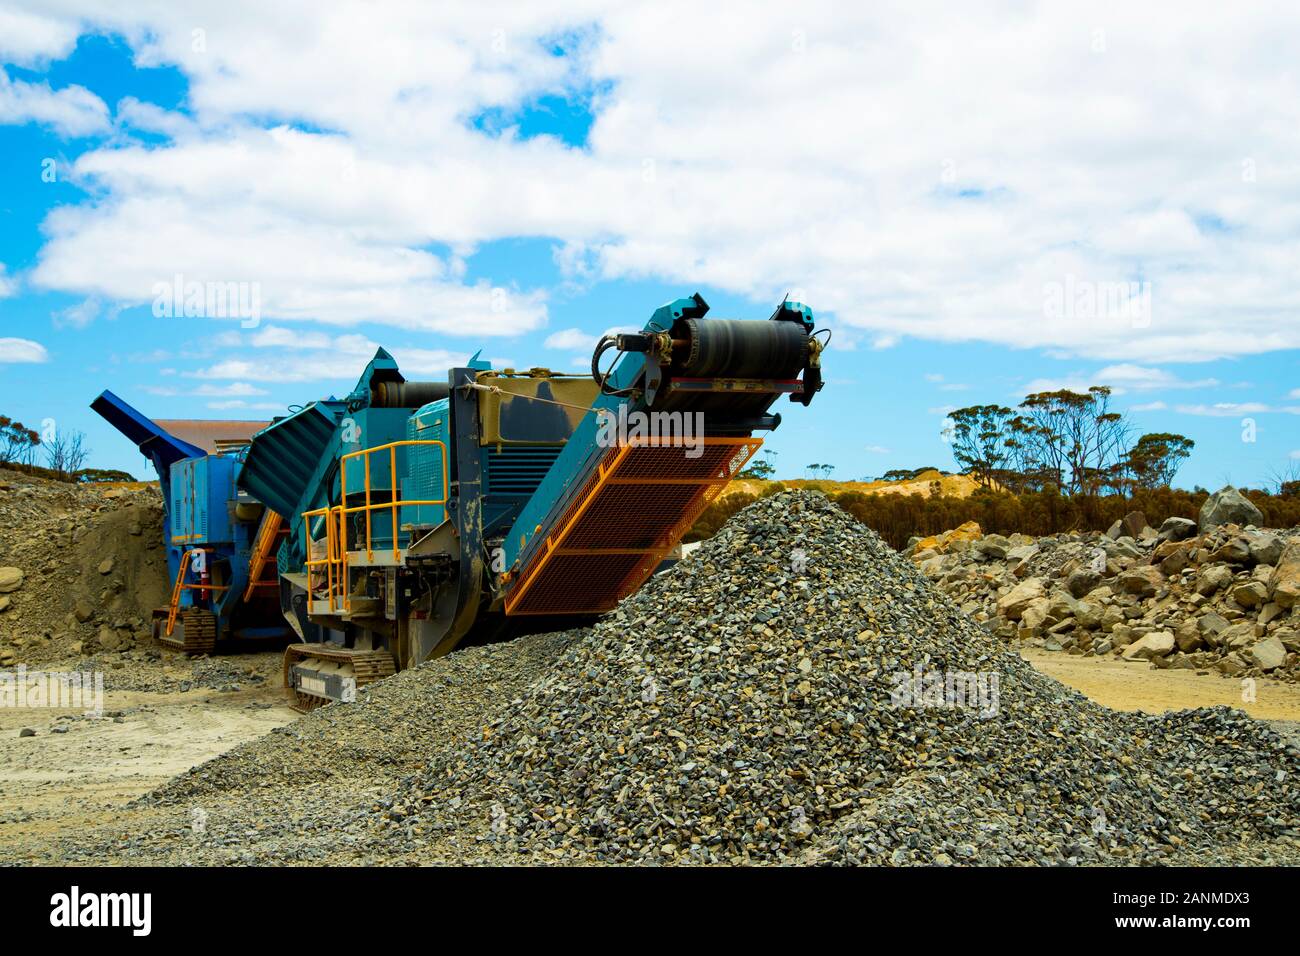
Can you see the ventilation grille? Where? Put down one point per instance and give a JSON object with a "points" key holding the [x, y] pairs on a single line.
{"points": [[518, 470]]}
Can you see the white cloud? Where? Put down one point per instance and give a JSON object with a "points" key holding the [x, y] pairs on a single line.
{"points": [[251, 406], [72, 111], [878, 449], [1121, 379], [151, 357], [311, 356], [22, 350], [145, 117], [216, 391], [1006, 157], [7, 286], [1143, 378], [1149, 407], [1230, 409], [1075, 382], [127, 251], [1294, 393], [568, 339], [29, 38], [78, 316]]}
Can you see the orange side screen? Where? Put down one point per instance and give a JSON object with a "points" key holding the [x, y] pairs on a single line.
{"points": [[630, 513]]}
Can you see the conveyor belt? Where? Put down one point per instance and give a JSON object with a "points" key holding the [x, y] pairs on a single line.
{"points": [[625, 517]]}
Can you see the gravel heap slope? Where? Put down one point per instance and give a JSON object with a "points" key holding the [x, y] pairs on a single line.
{"points": [[750, 706]]}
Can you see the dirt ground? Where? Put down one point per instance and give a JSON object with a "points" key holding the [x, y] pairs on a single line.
{"points": [[1134, 685], [80, 777], [63, 781]]}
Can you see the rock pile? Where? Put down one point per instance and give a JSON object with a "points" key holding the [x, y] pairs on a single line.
{"points": [[1218, 596], [795, 691], [81, 568]]}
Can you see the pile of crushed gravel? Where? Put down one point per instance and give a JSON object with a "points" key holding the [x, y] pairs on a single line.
{"points": [[746, 708]]}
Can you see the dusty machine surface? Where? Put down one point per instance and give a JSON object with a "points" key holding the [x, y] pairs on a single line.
{"points": [[419, 514], [219, 540]]}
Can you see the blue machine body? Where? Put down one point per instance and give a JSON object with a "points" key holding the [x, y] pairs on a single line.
{"points": [[200, 496], [426, 470], [202, 501]]}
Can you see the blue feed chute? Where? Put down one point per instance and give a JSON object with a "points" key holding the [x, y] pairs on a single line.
{"points": [[162, 449]]}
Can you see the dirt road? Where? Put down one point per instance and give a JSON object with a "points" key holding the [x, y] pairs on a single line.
{"points": [[1124, 685], [59, 781]]}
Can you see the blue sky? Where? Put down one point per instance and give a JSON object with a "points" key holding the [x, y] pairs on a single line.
{"points": [[1019, 200]]}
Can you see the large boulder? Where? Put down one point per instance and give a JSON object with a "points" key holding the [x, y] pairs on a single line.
{"points": [[1213, 578], [1285, 583], [1155, 644], [1062, 605], [1266, 548], [1250, 593], [1177, 529], [1237, 636], [1176, 560], [1268, 654], [994, 547], [1083, 580], [1233, 551], [1143, 581], [1134, 523], [11, 579], [1032, 619], [1211, 625], [1014, 603], [1088, 614], [1188, 636], [957, 539], [1228, 506]]}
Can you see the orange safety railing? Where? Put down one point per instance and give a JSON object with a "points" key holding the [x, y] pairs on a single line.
{"points": [[337, 547], [268, 538], [174, 608], [333, 560], [396, 503]]}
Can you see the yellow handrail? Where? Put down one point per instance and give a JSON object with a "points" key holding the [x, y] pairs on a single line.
{"points": [[331, 559], [336, 543], [397, 501]]}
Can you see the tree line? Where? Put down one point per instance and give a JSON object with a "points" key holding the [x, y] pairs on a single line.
{"points": [[63, 452], [1072, 443], [898, 518]]}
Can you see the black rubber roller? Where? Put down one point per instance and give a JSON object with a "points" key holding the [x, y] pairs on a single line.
{"points": [[734, 348], [407, 394]]}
